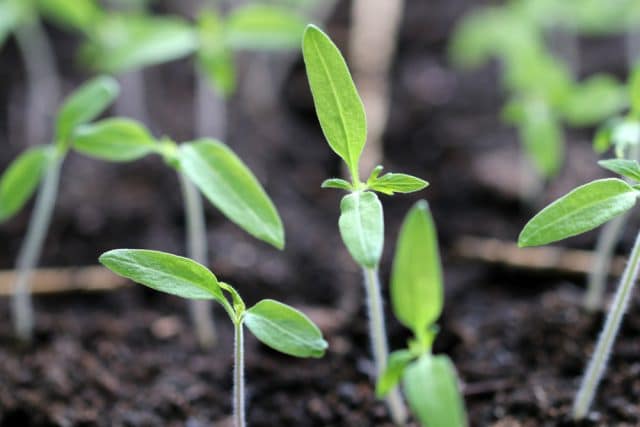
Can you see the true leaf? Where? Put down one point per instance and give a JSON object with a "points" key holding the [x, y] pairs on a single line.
{"points": [[229, 184], [164, 272], [398, 361], [595, 99], [116, 140], [431, 387], [85, 104], [20, 180], [624, 167], [262, 27], [391, 183], [362, 227], [416, 278], [581, 210], [285, 329], [337, 183], [338, 105]]}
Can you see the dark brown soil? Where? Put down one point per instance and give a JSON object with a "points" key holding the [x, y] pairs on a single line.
{"points": [[128, 358]]}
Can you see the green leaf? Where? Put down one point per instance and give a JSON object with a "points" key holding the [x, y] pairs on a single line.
{"points": [[13, 13], [634, 90], [116, 140], [543, 140], [603, 138], [263, 27], [624, 167], [20, 180], [398, 361], [416, 277], [362, 227], [85, 104], [431, 387], [391, 183], [338, 105], [74, 14], [230, 186], [285, 329], [337, 183], [581, 210], [215, 59], [595, 99], [164, 272]]}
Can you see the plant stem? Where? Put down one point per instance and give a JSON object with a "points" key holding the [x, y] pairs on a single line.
{"points": [[43, 81], [197, 250], [600, 357], [211, 111], [238, 377], [378, 338], [31, 249]]}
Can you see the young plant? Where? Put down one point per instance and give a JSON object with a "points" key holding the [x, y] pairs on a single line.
{"points": [[277, 325], [40, 166], [430, 381], [342, 119], [581, 210], [204, 164]]}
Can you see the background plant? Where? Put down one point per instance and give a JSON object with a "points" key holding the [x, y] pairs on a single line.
{"points": [[430, 381], [277, 325], [343, 122]]}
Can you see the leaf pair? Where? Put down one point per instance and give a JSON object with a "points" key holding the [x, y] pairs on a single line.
{"points": [[277, 325]]}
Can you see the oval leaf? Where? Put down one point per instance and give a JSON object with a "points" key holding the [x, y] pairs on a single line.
{"points": [[85, 104], [263, 27], [581, 210], [230, 186], [116, 140], [398, 361], [285, 329], [416, 277], [338, 105], [431, 387], [164, 272], [337, 183], [624, 167], [391, 183], [20, 180], [362, 227]]}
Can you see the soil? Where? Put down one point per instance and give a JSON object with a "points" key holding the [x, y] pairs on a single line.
{"points": [[129, 358]]}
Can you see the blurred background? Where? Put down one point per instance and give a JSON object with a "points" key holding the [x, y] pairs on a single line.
{"points": [[495, 103]]}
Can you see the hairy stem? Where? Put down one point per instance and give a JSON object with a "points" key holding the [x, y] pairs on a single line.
{"points": [[197, 250], [238, 378], [378, 338], [22, 309], [43, 81], [598, 362]]}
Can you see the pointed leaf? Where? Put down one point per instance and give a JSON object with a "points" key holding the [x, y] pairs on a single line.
{"points": [[398, 361], [431, 387], [229, 184], [85, 104], [164, 272], [337, 183], [624, 167], [338, 105], [285, 329], [391, 183], [581, 210], [20, 180], [116, 140], [416, 278], [362, 227], [263, 27]]}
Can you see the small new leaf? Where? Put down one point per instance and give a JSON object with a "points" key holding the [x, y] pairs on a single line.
{"points": [[416, 277], [285, 329], [581, 210], [20, 180], [337, 183], [624, 167], [116, 140], [391, 183], [398, 361], [263, 27], [164, 272], [362, 227]]}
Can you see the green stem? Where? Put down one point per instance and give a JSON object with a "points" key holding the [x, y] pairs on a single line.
{"points": [[600, 357], [197, 250], [238, 377], [378, 338], [22, 308]]}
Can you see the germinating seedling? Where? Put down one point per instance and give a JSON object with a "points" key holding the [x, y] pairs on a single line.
{"points": [[581, 210], [40, 166], [342, 118], [277, 325], [430, 381], [204, 164]]}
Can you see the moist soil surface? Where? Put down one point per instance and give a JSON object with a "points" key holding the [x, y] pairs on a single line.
{"points": [[519, 339]]}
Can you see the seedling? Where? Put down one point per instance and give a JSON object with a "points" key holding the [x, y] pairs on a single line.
{"points": [[581, 210], [430, 381], [40, 166], [277, 325], [342, 119], [204, 164]]}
